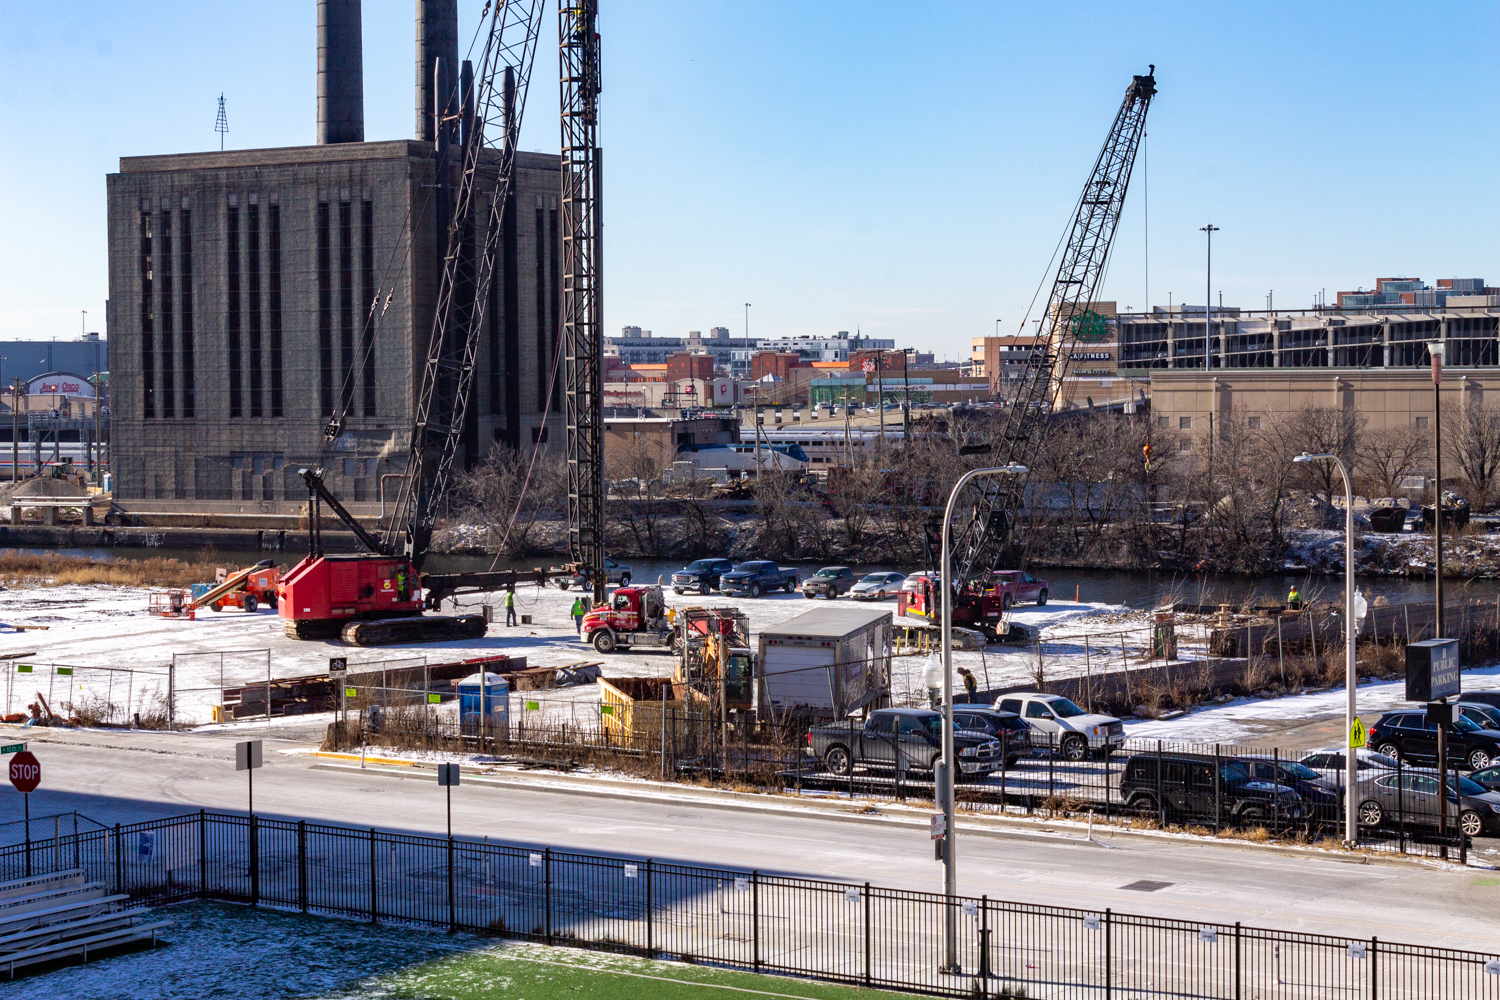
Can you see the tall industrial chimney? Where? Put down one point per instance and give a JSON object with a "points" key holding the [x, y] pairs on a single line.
{"points": [[437, 44], [341, 72]]}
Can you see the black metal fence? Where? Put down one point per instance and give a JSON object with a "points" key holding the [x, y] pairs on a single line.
{"points": [[841, 932]]}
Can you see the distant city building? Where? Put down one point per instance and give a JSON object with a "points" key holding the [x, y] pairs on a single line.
{"points": [[1412, 292], [29, 359]]}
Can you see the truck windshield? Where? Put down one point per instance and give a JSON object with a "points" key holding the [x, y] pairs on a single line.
{"points": [[827, 572], [700, 565], [1065, 709]]}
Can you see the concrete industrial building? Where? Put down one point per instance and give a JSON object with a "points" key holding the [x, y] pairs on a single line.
{"points": [[254, 293]]}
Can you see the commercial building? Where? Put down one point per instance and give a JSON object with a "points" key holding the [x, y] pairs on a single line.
{"points": [[26, 360], [256, 293], [644, 444]]}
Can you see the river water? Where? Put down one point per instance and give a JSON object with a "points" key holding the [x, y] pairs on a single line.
{"points": [[1132, 588]]}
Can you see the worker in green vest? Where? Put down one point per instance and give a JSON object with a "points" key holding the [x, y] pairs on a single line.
{"points": [[580, 608], [1294, 598], [510, 606]]}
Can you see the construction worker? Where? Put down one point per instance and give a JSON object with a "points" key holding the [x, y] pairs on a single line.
{"points": [[580, 608], [1294, 598], [971, 685], [403, 593], [510, 605]]}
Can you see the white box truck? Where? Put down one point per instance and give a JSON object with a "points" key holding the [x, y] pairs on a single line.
{"points": [[828, 663]]}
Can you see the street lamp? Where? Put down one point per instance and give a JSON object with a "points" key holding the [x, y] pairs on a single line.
{"points": [[950, 763], [1352, 612]]}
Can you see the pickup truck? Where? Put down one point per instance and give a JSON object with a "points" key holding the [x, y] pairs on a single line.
{"points": [[613, 573], [830, 582], [912, 736], [753, 578], [701, 575]]}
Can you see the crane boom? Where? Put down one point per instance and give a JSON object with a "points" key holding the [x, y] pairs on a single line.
{"points": [[1067, 319], [497, 102], [578, 50]]}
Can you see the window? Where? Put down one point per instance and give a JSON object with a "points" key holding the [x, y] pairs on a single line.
{"points": [[1185, 445], [232, 262], [350, 465], [1420, 423], [346, 306], [879, 723], [366, 302], [1254, 423], [164, 270], [1163, 421], [273, 302], [539, 435], [325, 312], [185, 303], [543, 324], [1184, 423], [252, 261], [148, 321], [1011, 705], [1037, 710], [1320, 760]]}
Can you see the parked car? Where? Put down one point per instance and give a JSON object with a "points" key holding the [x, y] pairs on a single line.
{"points": [[1017, 587], [1321, 795], [1491, 698], [912, 736], [1482, 715], [614, 572], [1406, 734], [1489, 777], [877, 586], [1007, 727], [701, 575], [1066, 726], [1411, 796], [755, 577], [829, 582], [1329, 763], [1183, 786]]}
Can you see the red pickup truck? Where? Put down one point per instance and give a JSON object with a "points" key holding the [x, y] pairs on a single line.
{"points": [[982, 603]]}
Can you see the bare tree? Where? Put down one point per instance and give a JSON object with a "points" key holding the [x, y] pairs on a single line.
{"points": [[1323, 430], [1476, 445], [1384, 457], [509, 494], [639, 492]]}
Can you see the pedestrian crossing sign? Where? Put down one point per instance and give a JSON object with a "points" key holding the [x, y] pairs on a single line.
{"points": [[1357, 734]]}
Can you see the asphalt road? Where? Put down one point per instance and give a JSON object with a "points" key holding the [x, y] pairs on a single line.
{"points": [[120, 777]]}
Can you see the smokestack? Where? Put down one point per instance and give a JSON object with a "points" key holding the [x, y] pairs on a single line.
{"points": [[437, 44], [341, 72]]}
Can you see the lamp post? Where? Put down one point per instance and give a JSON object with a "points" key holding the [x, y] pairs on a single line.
{"points": [[950, 762], [1436, 350], [747, 340], [1208, 341], [1351, 631]]}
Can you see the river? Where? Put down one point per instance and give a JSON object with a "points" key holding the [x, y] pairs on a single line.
{"points": [[1133, 588]]}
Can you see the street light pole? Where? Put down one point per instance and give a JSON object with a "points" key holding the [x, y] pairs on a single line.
{"points": [[1351, 625], [950, 760], [1208, 341], [1436, 349], [747, 342]]}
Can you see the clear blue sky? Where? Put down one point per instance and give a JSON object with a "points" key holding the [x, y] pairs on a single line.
{"points": [[902, 168]]}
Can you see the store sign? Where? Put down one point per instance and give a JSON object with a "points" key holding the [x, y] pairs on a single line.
{"points": [[1106, 356]]}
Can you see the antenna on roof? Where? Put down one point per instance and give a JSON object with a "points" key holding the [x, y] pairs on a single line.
{"points": [[221, 125]]}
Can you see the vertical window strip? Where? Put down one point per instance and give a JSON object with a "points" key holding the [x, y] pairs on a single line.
{"points": [[543, 359], [165, 399], [185, 303], [554, 328], [148, 323], [252, 261], [273, 305], [325, 313], [346, 307], [367, 302], [494, 322], [232, 262]]}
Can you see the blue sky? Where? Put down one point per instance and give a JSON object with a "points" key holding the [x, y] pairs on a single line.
{"points": [[903, 168]]}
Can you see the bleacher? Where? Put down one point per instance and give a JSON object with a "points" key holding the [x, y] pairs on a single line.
{"points": [[60, 915]]}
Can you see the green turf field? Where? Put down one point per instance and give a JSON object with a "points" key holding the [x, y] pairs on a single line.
{"points": [[528, 972]]}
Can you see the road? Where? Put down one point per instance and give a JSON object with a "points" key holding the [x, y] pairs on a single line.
{"points": [[127, 776]]}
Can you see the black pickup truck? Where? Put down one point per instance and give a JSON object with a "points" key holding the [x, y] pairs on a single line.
{"points": [[701, 575], [915, 734], [754, 577]]}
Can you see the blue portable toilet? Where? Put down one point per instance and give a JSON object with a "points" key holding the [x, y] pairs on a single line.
{"points": [[495, 698]]}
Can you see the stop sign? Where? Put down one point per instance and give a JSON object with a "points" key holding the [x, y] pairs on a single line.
{"points": [[25, 771]]}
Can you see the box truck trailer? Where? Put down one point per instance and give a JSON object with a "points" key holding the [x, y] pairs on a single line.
{"points": [[828, 663]]}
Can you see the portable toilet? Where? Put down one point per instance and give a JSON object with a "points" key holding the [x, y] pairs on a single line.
{"points": [[480, 695]]}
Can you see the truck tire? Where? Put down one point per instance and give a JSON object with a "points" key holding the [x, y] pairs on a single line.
{"points": [[1041, 598], [790, 586], [271, 601], [704, 588], [217, 605], [604, 640], [755, 590], [251, 605], [838, 760], [830, 594], [562, 584], [625, 580], [1075, 747], [677, 591]]}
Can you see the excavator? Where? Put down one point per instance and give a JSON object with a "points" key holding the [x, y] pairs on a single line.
{"points": [[378, 597]]}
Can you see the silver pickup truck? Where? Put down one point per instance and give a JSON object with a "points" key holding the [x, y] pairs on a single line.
{"points": [[912, 736]]}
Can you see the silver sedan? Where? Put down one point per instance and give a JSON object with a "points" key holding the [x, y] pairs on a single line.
{"points": [[877, 586]]}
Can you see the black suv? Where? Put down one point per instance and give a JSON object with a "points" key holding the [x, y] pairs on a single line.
{"points": [[1407, 735], [701, 575], [1007, 727], [1182, 786], [1491, 698]]}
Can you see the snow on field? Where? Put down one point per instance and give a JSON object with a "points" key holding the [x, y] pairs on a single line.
{"points": [[117, 651]]}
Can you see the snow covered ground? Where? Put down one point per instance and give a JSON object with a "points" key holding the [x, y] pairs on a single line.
{"points": [[114, 650]]}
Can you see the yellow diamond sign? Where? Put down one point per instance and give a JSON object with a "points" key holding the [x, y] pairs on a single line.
{"points": [[1357, 734]]}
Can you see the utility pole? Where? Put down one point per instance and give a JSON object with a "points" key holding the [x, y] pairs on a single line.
{"points": [[1208, 341], [1436, 350], [15, 430]]}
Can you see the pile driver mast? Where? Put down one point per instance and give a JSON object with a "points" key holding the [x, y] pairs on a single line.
{"points": [[982, 537], [582, 305]]}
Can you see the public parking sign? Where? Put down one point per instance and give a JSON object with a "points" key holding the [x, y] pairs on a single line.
{"points": [[1432, 670], [25, 771]]}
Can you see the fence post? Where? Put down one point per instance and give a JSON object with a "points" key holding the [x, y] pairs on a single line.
{"points": [[119, 862], [755, 920], [171, 693], [1218, 787], [1161, 802], [1109, 979], [1374, 971], [1237, 976], [984, 944], [202, 853], [547, 890], [650, 913], [868, 962], [374, 898], [452, 901], [302, 864], [254, 862]]}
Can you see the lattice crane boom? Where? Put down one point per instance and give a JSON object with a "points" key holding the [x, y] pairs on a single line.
{"points": [[991, 505], [582, 314]]}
